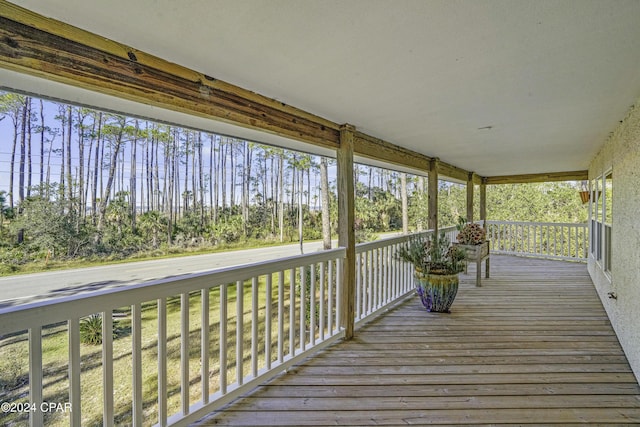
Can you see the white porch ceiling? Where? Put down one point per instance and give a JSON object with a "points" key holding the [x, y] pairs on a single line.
{"points": [[497, 87]]}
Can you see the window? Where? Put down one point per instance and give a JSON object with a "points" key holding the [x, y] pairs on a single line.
{"points": [[601, 213], [607, 215]]}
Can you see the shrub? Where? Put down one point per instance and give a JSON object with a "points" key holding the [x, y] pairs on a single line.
{"points": [[91, 330]]}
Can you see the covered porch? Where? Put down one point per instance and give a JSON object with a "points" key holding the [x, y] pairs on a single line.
{"points": [[480, 93], [532, 345]]}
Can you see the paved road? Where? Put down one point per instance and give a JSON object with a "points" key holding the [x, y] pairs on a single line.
{"points": [[21, 289]]}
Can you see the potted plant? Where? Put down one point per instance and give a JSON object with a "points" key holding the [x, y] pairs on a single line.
{"points": [[436, 266], [472, 240]]}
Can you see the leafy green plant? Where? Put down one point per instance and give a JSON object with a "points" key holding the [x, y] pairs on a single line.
{"points": [[91, 330]]}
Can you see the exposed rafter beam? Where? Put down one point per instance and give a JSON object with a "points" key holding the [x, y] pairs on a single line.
{"points": [[538, 177], [33, 44], [445, 169], [374, 148]]}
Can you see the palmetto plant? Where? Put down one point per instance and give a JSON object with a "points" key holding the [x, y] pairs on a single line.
{"points": [[91, 330]]}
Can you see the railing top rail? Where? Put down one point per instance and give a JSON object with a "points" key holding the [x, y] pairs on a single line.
{"points": [[24, 316], [388, 241], [376, 244], [558, 224]]}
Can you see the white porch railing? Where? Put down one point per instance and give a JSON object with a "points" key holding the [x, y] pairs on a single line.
{"points": [[233, 327], [381, 278], [567, 241]]}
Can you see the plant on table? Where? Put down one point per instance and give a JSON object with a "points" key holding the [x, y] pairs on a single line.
{"points": [[470, 233]]}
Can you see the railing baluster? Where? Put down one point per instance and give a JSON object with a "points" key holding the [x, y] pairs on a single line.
{"points": [[268, 321], [330, 298], [369, 264], [322, 300], [204, 344], [391, 287], [303, 308], [74, 372], [240, 332], [36, 418], [359, 309], [162, 362], [184, 350], [224, 338], [281, 316], [312, 299], [136, 355], [107, 368], [254, 327], [339, 286], [292, 312], [386, 278]]}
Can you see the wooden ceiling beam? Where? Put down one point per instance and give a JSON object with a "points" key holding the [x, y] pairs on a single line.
{"points": [[44, 47], [377, 149], [538, 177], [459, 174]]}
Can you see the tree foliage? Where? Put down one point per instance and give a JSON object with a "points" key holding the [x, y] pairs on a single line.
{"points": [[94, 184]]}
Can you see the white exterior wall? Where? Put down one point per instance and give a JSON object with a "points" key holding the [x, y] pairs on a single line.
{"points": [[621, 154]]}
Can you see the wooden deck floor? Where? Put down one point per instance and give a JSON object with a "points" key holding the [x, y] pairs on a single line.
{"points": [[532, 346]]}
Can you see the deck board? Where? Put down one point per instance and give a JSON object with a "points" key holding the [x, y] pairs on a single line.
{"points": [[533, 345]]}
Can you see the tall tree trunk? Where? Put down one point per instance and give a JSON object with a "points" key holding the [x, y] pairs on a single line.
{"points": [[89, 158], [12, 165], [300, 215], [185, 194], [81, 134], [232, 200], [419, 218], [42, 130], [149, 167], [324, 200], [96, 170], [29, 163], [405, 203], [112, 170], [213, 179], [274, 195], [246, 179], [281, 201], [48, 176], [201, 179], [223, 172], [133, 185], [69, 124], [23, 142], [156, 176]]}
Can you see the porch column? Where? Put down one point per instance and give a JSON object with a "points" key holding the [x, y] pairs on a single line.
{"points": [[432, 189], [346, 232], [483, 200], [470, 197]]}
